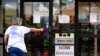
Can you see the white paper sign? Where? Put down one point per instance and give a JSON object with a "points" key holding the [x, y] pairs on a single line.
{"points": [[36, 18], [93, 18], [64, 40], [64, 19], [64, 50]]}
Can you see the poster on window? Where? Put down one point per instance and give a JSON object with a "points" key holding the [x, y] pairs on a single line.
{"points": [[36, 18], [64, 19], [64, 50], [93, 18]]}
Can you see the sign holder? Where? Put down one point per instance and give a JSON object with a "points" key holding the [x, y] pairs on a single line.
{"points": [[64, 44]]}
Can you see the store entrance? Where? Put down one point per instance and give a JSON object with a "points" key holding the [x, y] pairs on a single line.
{"points": [[88, 27], [36, 14]]}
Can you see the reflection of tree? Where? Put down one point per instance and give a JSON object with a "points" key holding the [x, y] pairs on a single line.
{"points": [[36, 6], [9, 12], [46, 5], [56, 3], [82, 16]]}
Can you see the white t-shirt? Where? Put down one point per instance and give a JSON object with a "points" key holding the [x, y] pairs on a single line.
{"points": [[16, 37]]}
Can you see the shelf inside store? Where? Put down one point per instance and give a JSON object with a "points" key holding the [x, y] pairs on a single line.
{"points": [[85, 32], [64, 30], [68, 30]]}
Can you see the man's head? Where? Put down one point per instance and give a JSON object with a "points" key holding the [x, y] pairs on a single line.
{"points": [[17, 21]]}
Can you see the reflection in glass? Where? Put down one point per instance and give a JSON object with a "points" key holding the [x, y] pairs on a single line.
{"points": [[56, 5], [41, 19], [27, 13], [27, 8], [83, 14], [1, 19], [88, 16], [10, 12], [36, 15], [36, 6], [64, 8], [41, 9]]}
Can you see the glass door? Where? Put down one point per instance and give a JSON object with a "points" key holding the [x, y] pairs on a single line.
{"points": [[63, 27], [36, 14], [10, 10], [88, 28]]}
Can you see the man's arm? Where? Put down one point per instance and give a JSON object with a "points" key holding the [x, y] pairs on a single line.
{"points": [[5, 40], [36, 30]]}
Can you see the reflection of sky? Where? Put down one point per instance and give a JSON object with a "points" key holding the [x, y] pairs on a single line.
{"points": [[10, 0], [11, 5]]}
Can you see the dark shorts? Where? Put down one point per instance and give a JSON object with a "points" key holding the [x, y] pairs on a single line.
{"points": [[13, 51]]}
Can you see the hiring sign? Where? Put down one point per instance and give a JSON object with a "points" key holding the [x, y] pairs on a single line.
{"points": [[64, 50]]}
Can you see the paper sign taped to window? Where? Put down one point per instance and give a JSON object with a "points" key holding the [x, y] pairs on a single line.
{"points": [[36, 18], [93, 18], [64, 19], [64, 50]]}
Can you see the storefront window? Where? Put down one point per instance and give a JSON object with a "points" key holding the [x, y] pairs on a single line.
{"points": [[36, 14], [64, 8], [28, 8], [63, 27], [83, 14], [11, 11], [1, 19], [41, 13], [89, 22]]}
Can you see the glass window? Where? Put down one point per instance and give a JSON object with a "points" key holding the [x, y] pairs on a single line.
{"points": [[41, 7], [63, 11], [95, 12], [83, 14], [1, 50], [11, 11], [1, 19], [88, 16], [36, 15], [27, 8]]}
